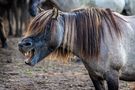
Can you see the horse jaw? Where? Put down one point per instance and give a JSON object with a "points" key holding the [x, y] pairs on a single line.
{"points": [[39, 55]]}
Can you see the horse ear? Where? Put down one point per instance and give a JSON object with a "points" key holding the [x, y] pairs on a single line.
{"points": [[40, 9], [55, 13]]}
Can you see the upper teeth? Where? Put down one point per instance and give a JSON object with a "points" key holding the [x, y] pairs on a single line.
{"points": [[26, 54]]}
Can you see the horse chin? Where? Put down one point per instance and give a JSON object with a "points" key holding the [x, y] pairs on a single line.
{"points": [[28, 62], [37, 56]]}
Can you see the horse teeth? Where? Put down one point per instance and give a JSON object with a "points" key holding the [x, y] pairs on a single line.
{"points": [[30, 53], [26, 54]]}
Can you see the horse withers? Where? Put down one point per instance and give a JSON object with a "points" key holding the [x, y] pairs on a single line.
{"points": [[103, 39]]}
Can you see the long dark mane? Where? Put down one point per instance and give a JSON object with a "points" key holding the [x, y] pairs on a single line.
{"points": [[83, 28]]}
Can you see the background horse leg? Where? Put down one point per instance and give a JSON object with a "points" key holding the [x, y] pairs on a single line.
{"points": [[2, 36], [10, 17], [98, 83], [112, 79]]}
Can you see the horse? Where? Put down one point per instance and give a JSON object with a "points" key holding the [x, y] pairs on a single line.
{"points": [[103, 39], [15, 11], [22, 16], [4, 8], [69, 5]]}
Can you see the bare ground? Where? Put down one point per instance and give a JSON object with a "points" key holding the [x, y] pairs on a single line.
{"points": [[47, 75]]}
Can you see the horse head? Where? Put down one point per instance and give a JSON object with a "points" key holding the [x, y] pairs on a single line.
{"points": [[43, 36]]}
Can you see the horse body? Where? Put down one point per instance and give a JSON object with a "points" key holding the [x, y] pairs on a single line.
{"points": [[125, 7], [75, 4], [69, 5], [127, 71], [104, 40]]}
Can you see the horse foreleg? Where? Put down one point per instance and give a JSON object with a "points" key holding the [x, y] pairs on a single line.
{"points": [[16, 14], [112, 79], [98, 83]]}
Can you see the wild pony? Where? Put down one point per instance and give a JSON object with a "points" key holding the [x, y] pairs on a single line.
{"points": [[69, 5], [103, 39], [125, 7]]}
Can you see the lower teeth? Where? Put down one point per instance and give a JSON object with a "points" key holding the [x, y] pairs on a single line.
{"points": [[27, 60]]}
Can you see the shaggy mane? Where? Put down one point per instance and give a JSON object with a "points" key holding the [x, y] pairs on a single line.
{"points": [[39, 23], [83, 29]]}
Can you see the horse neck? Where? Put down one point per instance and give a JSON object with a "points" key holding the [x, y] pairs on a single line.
{"points": [[81, 38], [69, 31], [70, 42]]}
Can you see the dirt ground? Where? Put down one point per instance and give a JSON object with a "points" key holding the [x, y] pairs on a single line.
{"points": [[47, 75]]}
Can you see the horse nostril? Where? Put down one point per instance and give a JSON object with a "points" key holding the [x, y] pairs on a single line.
{"points": [[28, 44], [25, 44]]}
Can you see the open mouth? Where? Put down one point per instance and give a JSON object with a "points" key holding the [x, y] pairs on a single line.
{"points": [[29, 55]]}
